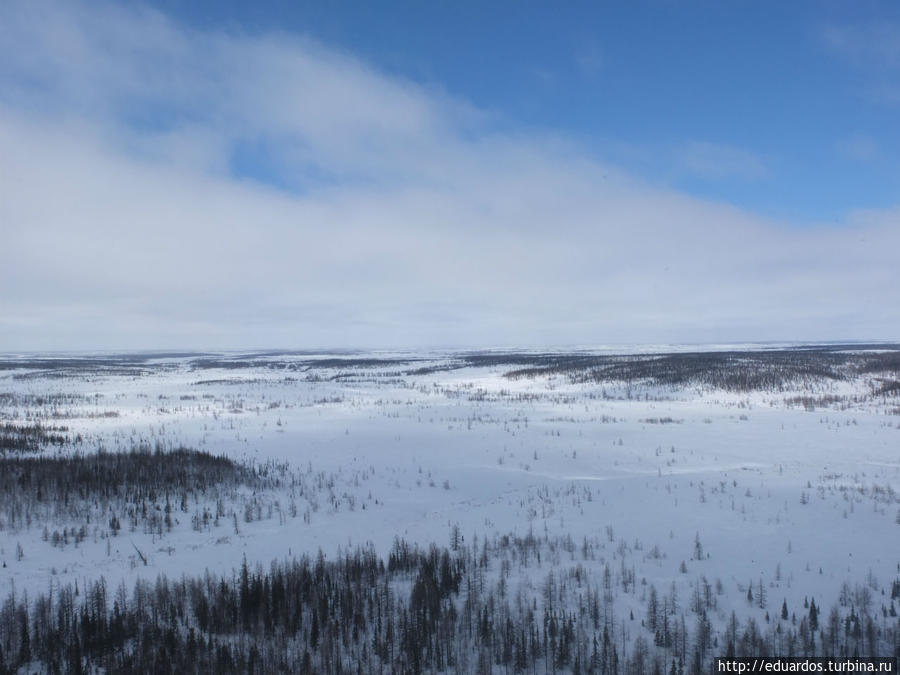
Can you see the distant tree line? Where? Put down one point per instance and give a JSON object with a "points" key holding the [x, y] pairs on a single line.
{"points": [[742, 371], [738, 371]]}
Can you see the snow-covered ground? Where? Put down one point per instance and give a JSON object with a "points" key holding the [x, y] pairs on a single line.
{"points": [[798, 496]]}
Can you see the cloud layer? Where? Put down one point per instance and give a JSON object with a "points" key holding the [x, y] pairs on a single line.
{"points": [[163, 187]]}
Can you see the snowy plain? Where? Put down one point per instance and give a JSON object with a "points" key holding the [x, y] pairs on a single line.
{"points": [[794, 489]]}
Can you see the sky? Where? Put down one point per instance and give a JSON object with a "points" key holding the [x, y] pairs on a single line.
{"points": [[231, 175]]}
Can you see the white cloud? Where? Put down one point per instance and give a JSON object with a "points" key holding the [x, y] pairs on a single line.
{"points": [[874, 48], [590, 59], [860, 148], [873, 44], [413, 218], [716, 160]]}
